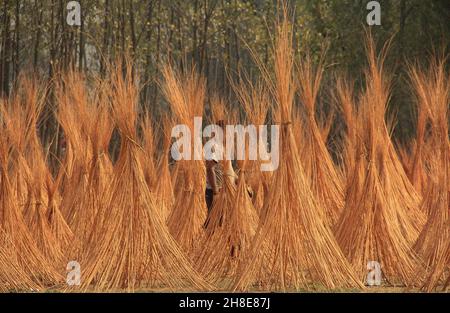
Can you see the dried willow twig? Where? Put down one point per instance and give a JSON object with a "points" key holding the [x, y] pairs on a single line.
{"points": [[133, 247], [293, 247]]}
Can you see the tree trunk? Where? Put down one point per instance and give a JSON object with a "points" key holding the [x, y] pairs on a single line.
{"points": [[194, 33], [106, 35], [181, 48], [81, 55], [5, 51], [158, 51], [401, 32], [148, 55], [38, 22], [236, 45], [134, 42], [122, 30], [16, 63], [208, 12]]}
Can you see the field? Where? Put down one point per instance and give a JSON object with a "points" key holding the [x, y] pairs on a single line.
{"points": [[345, 206]]}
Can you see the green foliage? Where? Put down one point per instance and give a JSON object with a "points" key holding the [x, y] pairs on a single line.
{"points": [[215, 34]]}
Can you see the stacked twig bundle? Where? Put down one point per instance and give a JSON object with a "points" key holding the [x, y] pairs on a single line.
{"points": [[138, 220], [293, 247], [12, 276], [30, 258], [134, 248], [255, 100], [381, 206], [230, 225], [326, 182], [433, 95], [148, 161], [186, 94], [164, 188], [74, 116]]}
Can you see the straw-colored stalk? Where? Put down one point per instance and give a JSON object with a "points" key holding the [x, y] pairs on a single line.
{"points": [[31, 260], [219, 110], [39, 223], [211, 261], [86, 214], [301, 251], [325, 125], [58, 225], [344, 97], [381, 218], [433, 94], [326, 181], [229, 230], [134, 247], [186, 94], [43, 188], [19, 122], [164, 189], [439, 272], [12, 276], [148, 162], [417, 158], [74, 117], [405, 157], [255, 101], [30, 170]]}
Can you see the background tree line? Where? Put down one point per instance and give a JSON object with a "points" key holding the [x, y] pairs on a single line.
{"points": [[214, 34]]}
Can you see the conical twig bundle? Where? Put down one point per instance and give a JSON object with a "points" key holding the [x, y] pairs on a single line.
{"points": [[326, 182], [433, 95], [74, 116], [381, 218], [134, 248], [229, 229], [164, 188], [86, 216], [31, 171], [255, 100], [12, 223], [12, 276], [186, 94], [301, 250]]}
